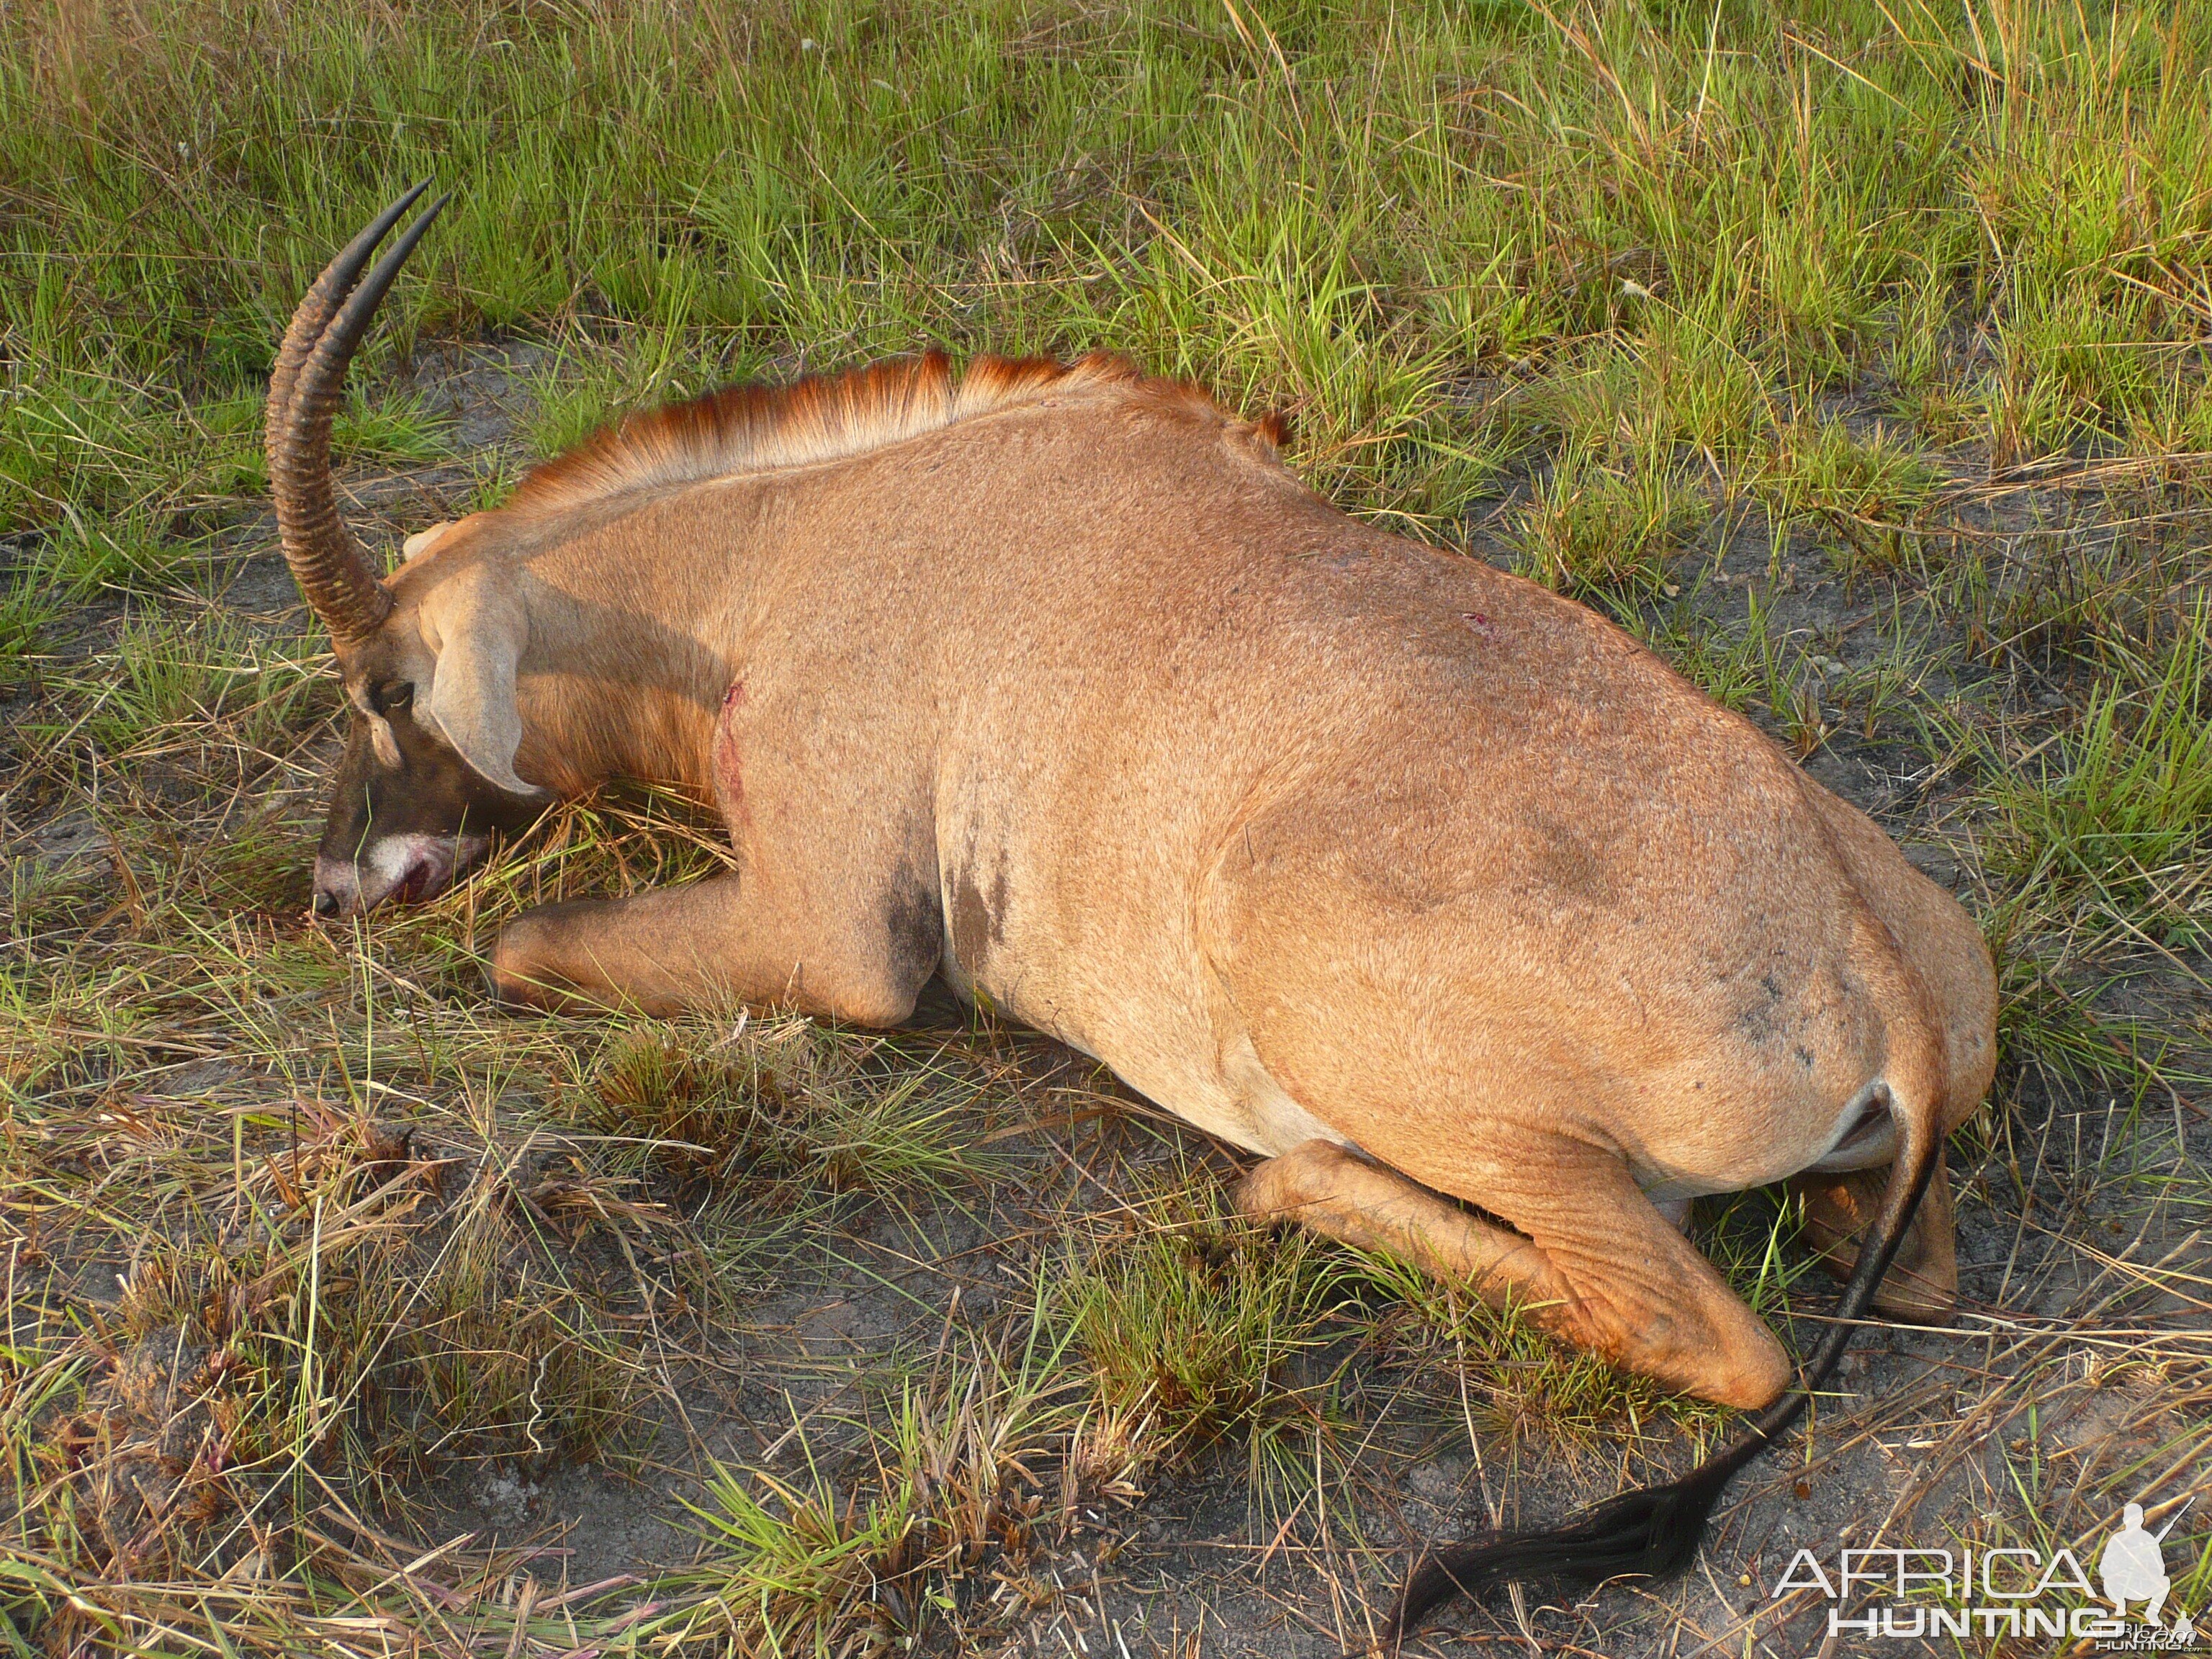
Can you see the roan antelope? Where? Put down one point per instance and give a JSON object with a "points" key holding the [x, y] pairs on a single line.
{"points": [[1495, 940]]}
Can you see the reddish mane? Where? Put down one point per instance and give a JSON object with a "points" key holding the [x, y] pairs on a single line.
{"points": [[754, 428]]}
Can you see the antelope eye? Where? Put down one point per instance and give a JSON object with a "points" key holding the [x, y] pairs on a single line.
{"points": [[392, 694]]}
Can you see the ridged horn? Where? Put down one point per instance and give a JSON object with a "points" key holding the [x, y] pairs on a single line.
{"points": [[335, 576]]}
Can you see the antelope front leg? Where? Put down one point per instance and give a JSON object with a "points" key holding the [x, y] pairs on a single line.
{"points": [[717, 944]]}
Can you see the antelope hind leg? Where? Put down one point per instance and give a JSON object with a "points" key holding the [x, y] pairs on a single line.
{"points": [[1604, 1270], [711, 944], [1921, 1285]]}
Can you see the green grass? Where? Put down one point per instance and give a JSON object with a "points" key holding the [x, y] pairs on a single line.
{"points": [[2111, 819], [1669, 239], [797, 1560], [783, 1102], [26, 609], [1188, 1324], [955, 1471], [1593, 533], [1864, 487], [163, 681], [1534, 1398], [1684, 310]]}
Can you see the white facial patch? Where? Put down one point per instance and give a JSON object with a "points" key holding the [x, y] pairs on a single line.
{"points": [[410, 867], [396, 858], [382, 739]]}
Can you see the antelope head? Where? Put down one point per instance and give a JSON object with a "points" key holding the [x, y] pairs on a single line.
{"points": [[428, 659]]}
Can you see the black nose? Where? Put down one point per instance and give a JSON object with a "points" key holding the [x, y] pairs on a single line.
{"points": [[326, 904]]}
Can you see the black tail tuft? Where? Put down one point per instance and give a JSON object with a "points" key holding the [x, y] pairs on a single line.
{"points": [[1653, 1532]]}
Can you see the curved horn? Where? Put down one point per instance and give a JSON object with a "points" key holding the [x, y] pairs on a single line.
{"points": [[335, 577]]}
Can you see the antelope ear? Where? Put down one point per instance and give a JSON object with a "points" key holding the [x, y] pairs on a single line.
{"points": [[471, 701]]}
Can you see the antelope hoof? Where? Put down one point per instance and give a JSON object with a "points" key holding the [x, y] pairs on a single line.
{"points": [[1750, 1379], [1922, 1286]]}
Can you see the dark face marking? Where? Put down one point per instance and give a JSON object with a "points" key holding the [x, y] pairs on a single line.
{"points": [[432, 796]]}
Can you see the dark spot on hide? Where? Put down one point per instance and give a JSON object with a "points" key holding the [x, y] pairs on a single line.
{"points": [[978, 923], [1761, 1021], [1565, 862], [914, 929]]}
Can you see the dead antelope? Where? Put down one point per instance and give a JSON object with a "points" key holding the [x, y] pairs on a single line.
{"points": [[1495, 940]]}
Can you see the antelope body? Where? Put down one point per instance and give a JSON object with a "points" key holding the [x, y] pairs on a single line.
{"points": [[1494, 938]]}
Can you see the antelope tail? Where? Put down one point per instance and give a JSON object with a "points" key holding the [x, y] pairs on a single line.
{"points": [[1654, 1531]]}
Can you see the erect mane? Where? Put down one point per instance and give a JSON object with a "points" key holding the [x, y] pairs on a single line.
{"points": [[823, 417]]}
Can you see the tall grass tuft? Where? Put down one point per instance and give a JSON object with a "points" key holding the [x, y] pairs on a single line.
{"points": [[2114, 817]]}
